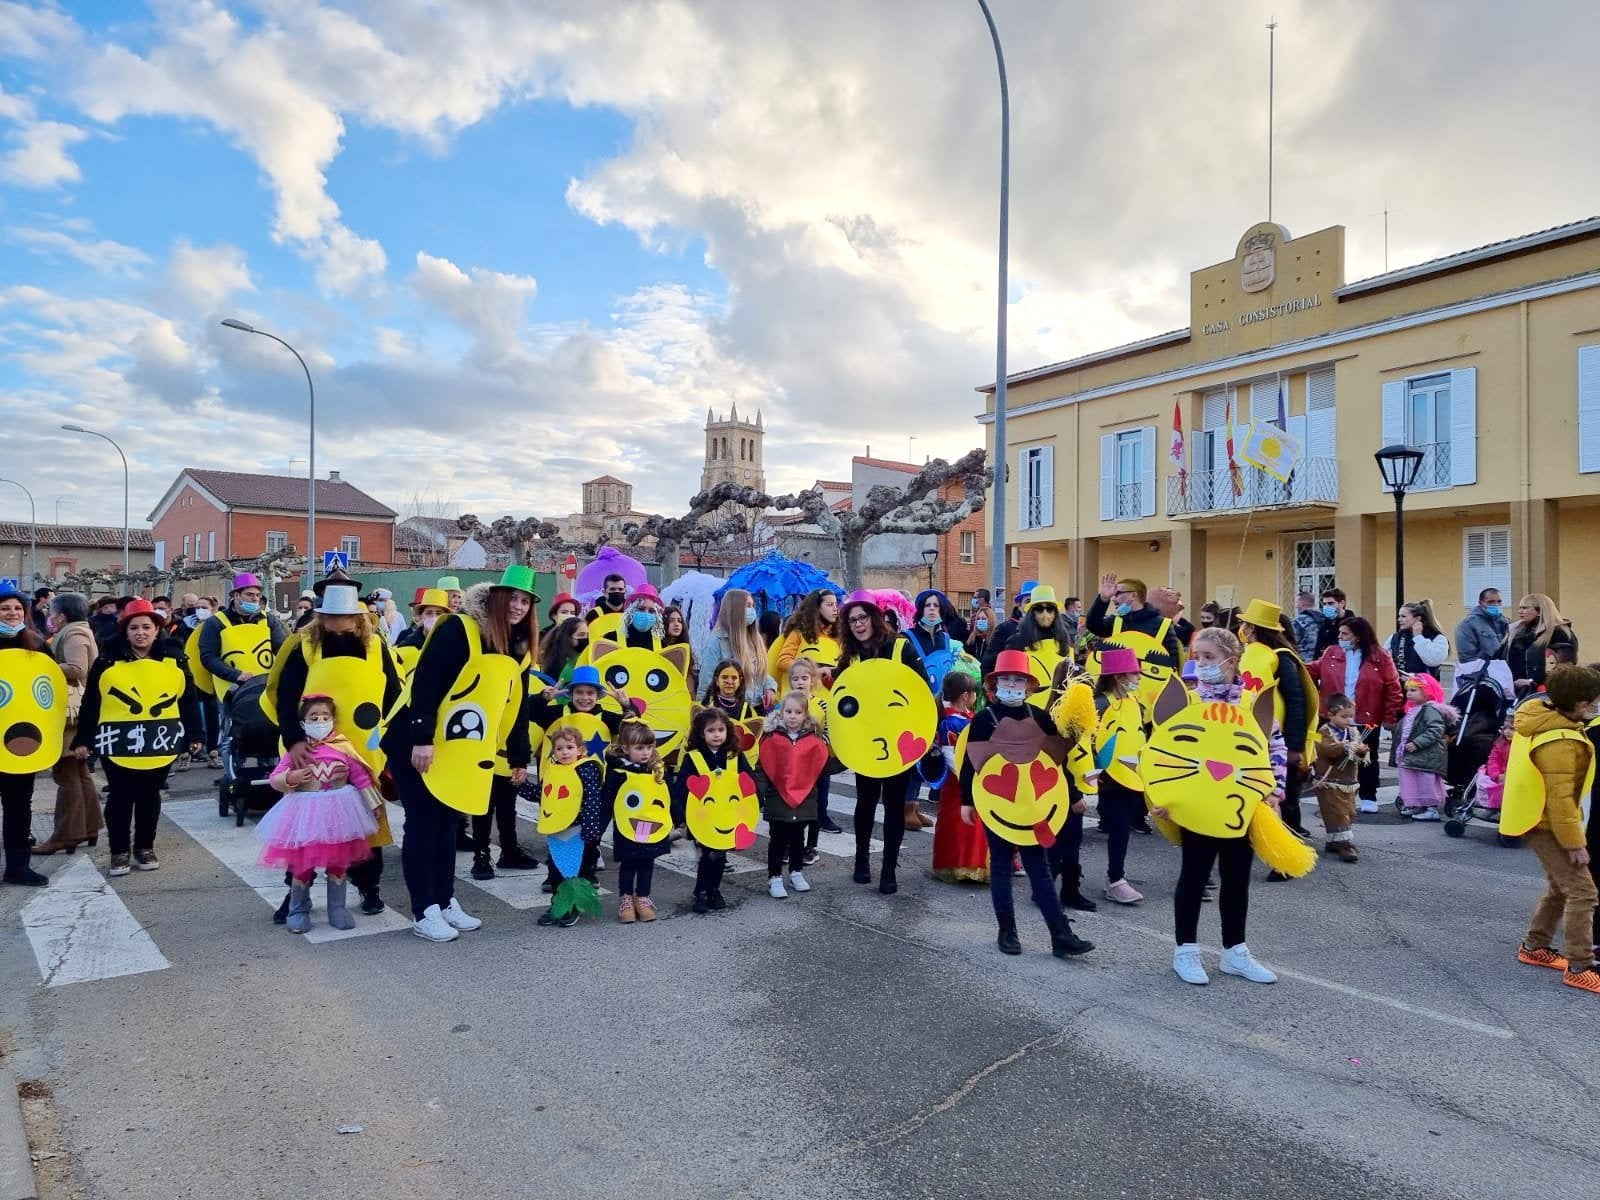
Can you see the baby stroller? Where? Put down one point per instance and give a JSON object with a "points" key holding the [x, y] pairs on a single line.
{"points": [[249, 752], [1482, 706]]}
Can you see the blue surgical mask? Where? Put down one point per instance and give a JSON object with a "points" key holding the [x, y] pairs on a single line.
{"points": [[1209, 672], [751, 616], [1124, 609], [9, 630], [1492, 610], [1346, 646], [1330, 611], [644, 621], [982, 624], [249, 607], [1010, 695], [931, 622]]}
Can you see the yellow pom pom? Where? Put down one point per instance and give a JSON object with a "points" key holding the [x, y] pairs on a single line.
{"points": [[1277, 847]]}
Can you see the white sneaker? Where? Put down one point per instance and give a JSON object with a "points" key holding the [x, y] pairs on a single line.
{"points": [[1186, 962], [1237, 960], [1426, 814], [798, 882], [1367, 806], [458, 917], [433, 926], [775, 888]]}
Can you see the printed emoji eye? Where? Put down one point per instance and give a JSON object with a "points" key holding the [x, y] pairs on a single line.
{"points": [[633, 800], [5, 693], [656, 680], [44, 692], [466, 723], [617, 676], [899, 700], [849, 706]]}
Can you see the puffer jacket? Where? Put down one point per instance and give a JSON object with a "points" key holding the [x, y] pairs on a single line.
{"points": [[1427, 740], [1481, 637], [1563, 763]]}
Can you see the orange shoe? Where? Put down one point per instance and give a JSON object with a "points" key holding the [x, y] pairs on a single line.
{"points": [[1586, 980], [645, 908], [1543, 957], [625, 912]]}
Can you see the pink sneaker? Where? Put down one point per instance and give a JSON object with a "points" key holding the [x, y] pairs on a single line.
{"points": [[1122, 892]]}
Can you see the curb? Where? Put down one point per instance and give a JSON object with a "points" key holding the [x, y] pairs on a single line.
{"points": [[16, 1167]]}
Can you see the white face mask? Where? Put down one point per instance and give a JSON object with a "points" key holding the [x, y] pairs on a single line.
{"points": [[202, 614], [317, 730], [1010, 695], [429, 621]]}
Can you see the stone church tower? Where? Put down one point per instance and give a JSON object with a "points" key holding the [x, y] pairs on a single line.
{"points": [[733, 451]]}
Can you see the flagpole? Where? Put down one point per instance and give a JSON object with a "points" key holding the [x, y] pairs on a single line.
{"points": [[1272, 59]]}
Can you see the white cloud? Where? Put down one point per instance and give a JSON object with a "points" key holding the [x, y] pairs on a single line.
{"points": [[38, 157], [204, 276], [106, 256], [489, 305]]}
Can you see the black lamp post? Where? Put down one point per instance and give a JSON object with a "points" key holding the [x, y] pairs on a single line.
{"points": [[698, 545], [1399, 465], [930, 557]]}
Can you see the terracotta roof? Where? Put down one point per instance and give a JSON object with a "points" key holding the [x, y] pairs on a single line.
{"points": [[238, 490], [443, 526], [887, 464], [833, 484], [97, 537], [846, 505]]}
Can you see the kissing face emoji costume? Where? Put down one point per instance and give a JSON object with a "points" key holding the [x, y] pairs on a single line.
{"points": [[881, 718], [33, 711], [722, 810]]}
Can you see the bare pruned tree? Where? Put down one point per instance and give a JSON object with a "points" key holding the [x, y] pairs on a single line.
{"points": [[531, 541]]}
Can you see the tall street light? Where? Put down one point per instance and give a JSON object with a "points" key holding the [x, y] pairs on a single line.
{"points": [[931, 557], [60, 500], [997, 539], [1399, 466], [311, 473], [126, 566], [33, 536]]}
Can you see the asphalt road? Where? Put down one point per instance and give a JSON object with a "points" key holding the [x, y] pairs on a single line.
{"points": [[834, 1044]]}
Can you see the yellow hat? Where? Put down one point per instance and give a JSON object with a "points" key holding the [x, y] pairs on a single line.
{"points": [[1262, 613], [432, 598], [1041, 594]]}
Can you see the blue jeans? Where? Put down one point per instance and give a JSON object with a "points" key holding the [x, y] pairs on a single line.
{"points": [[1038, 869]]}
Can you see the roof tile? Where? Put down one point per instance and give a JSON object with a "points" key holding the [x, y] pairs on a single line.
{"points": [[239, 490]]}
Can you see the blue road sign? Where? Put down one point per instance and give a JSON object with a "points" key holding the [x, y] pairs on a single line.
{"points": [[11, 584], [335, 558]]}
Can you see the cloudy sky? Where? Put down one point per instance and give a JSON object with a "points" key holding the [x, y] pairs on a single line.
{"points": [[524, 242]]}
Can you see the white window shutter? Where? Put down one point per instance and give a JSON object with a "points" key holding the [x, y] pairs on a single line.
{"points": [[1463, 426], [1047, 486], [1394, 415], [1247, 473], [211, 546], [1321, 433], [1499, 561], [1319, 389], [1024, 489], [1215, 415], [1264, 400], [1588, 408], [161, 554], [1108, 477], [1485, 561], [1147, 471]]}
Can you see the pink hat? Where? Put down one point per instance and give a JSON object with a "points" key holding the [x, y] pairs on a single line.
{"points": [[645, 592], [1118, 660], [245, 580], [860, 596]]}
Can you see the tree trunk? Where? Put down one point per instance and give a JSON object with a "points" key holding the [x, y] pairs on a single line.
{"points": [[668, 552], [850, 553]]}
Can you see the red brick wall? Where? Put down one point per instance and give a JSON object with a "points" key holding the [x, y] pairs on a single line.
{"points": [[959, 580], [244, 534], [194, 516]]}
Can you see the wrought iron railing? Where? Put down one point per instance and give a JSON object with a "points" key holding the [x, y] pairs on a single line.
{"points": [[1130, 502], [1315, 481]]}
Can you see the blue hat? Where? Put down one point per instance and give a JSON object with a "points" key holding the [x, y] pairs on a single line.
{"points": [[7, 592], [585, 675]]}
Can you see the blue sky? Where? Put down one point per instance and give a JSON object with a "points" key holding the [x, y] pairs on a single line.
{"points": [[523, 245]]}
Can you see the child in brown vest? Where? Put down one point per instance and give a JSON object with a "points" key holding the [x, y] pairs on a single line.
{"points": [[1340, 753]]}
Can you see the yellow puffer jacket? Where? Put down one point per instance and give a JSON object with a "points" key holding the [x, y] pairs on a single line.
{"points": [[1564, 765]]}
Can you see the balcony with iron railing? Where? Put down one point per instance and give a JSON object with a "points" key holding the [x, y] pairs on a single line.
{"points": [[1315, 483], [1434, 473]]}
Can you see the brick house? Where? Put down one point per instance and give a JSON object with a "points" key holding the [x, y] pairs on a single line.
{"points": [[67, 549], [208, 516], [963, 565]]}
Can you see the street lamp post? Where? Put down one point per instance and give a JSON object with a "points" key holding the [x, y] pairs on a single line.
{"points": [[698, 545], [60, 500], [33, 536], [1399, 466], [311, 462], [126, 564], [931, 557], [997, 539]]}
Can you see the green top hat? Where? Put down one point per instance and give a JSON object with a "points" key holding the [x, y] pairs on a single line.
{"points": [[519, 579]]}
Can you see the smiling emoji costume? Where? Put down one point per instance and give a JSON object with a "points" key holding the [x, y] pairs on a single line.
{"points": [[654, 681], [720, 806], [569, 804]]}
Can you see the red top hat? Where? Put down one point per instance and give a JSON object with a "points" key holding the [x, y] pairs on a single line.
{"points": [[138, 607]]}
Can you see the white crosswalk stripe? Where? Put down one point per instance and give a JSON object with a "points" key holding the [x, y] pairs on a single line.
{"points": [[81, 930]]}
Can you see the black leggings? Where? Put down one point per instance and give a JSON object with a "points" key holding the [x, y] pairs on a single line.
{"points": [[1289, 810], [134, 797], [1367, 772], [708, 874], [634, 876], [785, 840], [1119, 807], [503, 812], [16, 797], [1232, 857], [891, 793]]}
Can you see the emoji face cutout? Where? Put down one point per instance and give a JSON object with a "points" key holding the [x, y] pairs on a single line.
{"points": [[723, 809], [560, 796], [825, 653], [1156, 666], [881, 718], [245, 648], [642, 809], [1043, 658], [470, 733], [1208, 766], [1118, 740], [655, 678], [197, 671], [405, 660], [356, 685], [139, 721], [1026, 804], [33, 711]]}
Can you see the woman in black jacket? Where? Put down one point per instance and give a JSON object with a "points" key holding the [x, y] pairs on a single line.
{"points": [[1539, 626]]}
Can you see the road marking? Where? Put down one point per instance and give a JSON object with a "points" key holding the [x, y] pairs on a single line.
{"points": [[1416, 1010], [81, 930], [236, 848], [687, 862]]}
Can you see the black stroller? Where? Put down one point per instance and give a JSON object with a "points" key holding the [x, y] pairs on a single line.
{"points": [[1483, 707], [249, 752]]}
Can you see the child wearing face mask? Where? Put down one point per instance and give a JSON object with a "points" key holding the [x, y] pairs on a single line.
{"points": [[787, 769], [324, 819]]}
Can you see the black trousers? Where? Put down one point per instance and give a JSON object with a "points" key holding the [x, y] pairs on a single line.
{"points": [[708, 873], [1289, 810], [211, 718], [891, 793], [133, 797], [634, 876], [367, 873], [786, 840], [1064, 855], [503, 812], [428, 853], [1232, 858], [1367, 773], [1119, 807], [16, 798], [813, 828]]}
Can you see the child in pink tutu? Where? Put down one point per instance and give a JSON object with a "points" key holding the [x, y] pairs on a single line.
{"points": [[1492, 776], [324, 819]]}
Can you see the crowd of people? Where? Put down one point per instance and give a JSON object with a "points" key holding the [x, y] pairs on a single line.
{"points": [[616, 716]]}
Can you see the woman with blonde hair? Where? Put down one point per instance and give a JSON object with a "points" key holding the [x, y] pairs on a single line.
{"points": [[1538, 627], [735, 636]]}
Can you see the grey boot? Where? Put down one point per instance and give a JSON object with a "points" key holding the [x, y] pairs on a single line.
{"points": [[299, 908], [338, 915]]}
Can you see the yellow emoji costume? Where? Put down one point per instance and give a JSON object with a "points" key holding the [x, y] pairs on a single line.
{"points": [[1262, 669], [881, 717], [721, 808], [654, 681], [245, 647], [140, 724], [33, 711]]}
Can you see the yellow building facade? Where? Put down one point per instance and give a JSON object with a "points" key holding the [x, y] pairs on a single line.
{"points": [[1487, 360]]}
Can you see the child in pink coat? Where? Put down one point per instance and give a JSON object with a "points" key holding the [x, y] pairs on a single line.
{"points": [[324, 819]]}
